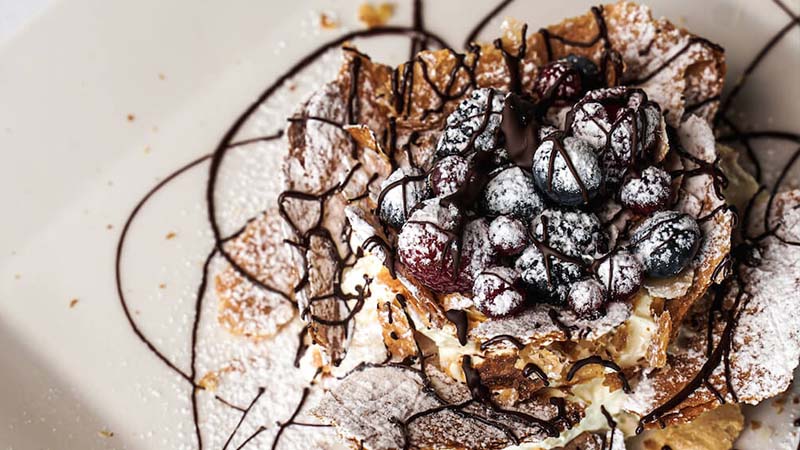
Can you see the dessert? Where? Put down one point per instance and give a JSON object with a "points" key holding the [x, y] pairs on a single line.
{"points": [[537, 243]]}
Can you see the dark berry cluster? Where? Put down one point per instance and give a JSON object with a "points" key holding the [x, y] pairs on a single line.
{"points": [[506, 211]]}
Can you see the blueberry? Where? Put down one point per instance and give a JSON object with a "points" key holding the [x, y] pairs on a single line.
{"points": [[474, 125], [591, 78], [393, 206], [567, 170], [547, 285], [621, 274], [565, 238], [511, 192], [508, 235], [666, 242], [587, 298], [448, 175], [575, 233], [647, 191], [496, 292]]}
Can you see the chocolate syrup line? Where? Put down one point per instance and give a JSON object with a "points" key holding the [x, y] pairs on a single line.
{"points": [[532, 369], [459, 319], [612, 424], [512, 61], [502, 338], [485, 21], [118, 264], [284, 425], [591, 360], [744, 77], [244, 416], [602, 34]]}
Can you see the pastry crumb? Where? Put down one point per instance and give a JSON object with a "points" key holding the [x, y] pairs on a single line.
{"points": [[374, 16], [161, 76], [171, 235], [105, 433], [162, 286], [131, 117], [73, 302], [328, 21]]}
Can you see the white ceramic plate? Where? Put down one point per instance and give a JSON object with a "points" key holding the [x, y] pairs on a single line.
{"points": [[101, 100]]}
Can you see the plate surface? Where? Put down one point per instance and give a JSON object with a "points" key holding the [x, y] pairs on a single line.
{"points": [[102, 100]]}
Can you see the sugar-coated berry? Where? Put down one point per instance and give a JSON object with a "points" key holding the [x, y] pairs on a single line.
{"points": [[496, 292], [567, 170], [566, 79], [477, 252], [448, 175], [508, 235], [621, 124], [575, 233], [587, 298], [511, 192], [427, 246], [666, 242], [621, 274], [474, 125], [393, 206], [547, 285], [647, 191]]}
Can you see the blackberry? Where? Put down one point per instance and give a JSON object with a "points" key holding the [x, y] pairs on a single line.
{"points": [[511, 192]]}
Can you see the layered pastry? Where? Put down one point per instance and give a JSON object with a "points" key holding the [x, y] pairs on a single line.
{"points": [[536, 243]]}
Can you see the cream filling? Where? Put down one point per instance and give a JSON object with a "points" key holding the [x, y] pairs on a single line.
{"points": [[367, 345]]}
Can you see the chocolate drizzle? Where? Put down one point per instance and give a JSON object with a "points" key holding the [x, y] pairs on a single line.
{"points": [[533, 369], [591, 360], [403, 96], [459, 319]]}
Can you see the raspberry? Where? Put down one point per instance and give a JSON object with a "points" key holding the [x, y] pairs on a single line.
{"points": [[496, 293], [666, 242], [587, 298], [427, 246], [438, 253], [567, 170], [511, 192], [393, 206], [621, 274], [646, 192], [448, 175], [469, 127], [507, 235]]}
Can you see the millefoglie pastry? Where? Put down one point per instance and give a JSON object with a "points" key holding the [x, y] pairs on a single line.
{"points": [[532, 244]]}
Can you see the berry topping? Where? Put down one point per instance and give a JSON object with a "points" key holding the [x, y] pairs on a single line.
{"points": [[615, 121], [666, 242], [621, 274], [587, 298], [495, 292], [646, 192], [549, 279], [448, 175], [566, 79], [508, 235], [439, 252], [574, 233], [591, 77], [473, 125], [511, 192], [393, 206], [476, 249], [567, 170]]}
